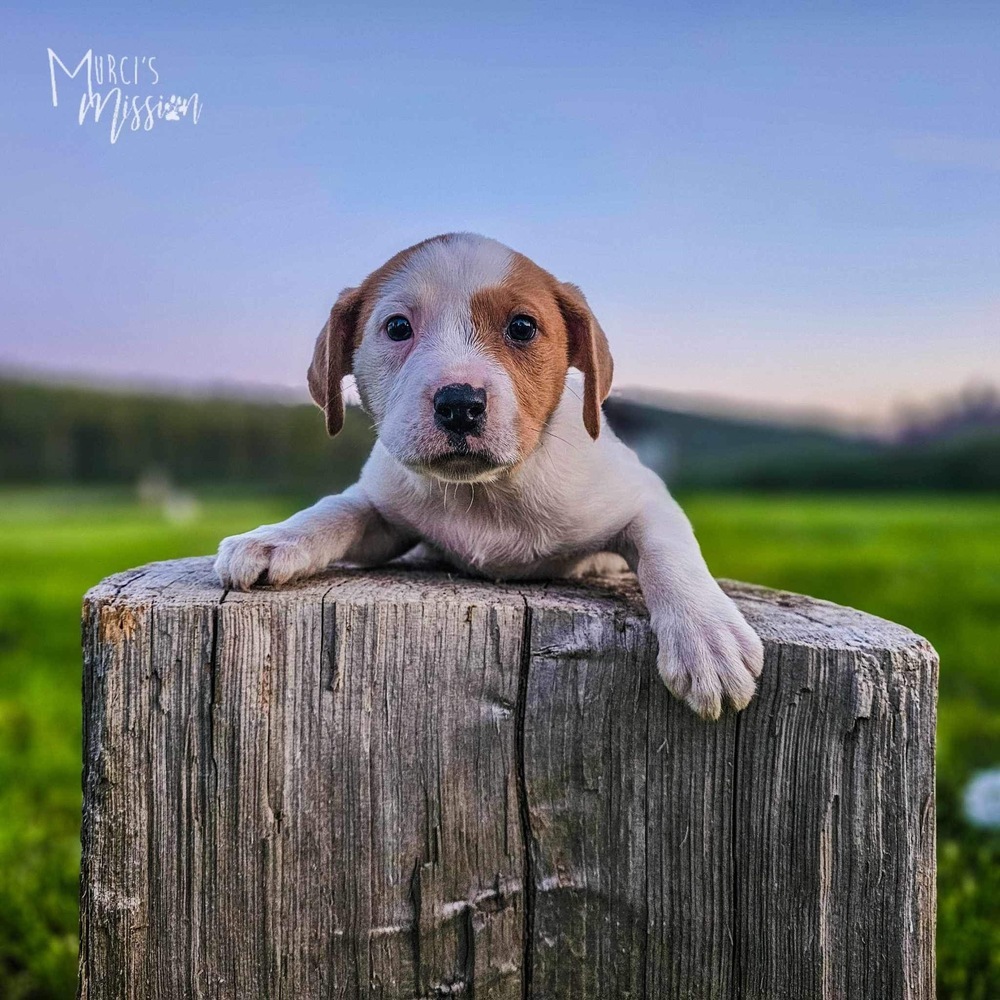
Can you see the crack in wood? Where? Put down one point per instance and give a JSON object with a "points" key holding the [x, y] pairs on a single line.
{"points": [[527, 840]]}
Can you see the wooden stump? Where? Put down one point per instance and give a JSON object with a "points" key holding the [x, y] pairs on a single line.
{"points": [[401, 784]]}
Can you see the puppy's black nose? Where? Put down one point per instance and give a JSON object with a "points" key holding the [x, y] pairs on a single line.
{"points": [[460, 409]]}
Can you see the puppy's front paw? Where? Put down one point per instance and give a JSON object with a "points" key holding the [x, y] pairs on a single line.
{"points": [[266, 551], [709, 654]]}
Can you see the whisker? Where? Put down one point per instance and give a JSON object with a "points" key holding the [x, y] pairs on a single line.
{"points": [[568, 444], [546, 431]]}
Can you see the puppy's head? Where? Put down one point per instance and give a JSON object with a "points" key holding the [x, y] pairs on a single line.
{"points": [[459, 347]]}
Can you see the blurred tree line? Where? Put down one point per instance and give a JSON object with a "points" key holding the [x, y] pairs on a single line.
{"points": [[67, 434], [53, 434], [700, 451]]}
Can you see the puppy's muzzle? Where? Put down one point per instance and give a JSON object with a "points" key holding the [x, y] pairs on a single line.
{"points": [[459, 409]]}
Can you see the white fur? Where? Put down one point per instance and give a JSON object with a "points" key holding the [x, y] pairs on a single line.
{"points": [[552, 513]]}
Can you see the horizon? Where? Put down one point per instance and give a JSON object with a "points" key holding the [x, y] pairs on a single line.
{"points": [[695, 403], [793, 209]]}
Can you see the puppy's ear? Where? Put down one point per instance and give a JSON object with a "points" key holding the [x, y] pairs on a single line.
{"points": [[333, 358], [588, 351]]}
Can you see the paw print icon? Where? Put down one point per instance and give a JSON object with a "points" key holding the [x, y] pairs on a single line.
{"points": [[174, 108]]}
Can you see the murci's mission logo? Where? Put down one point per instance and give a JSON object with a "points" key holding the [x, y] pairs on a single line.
{"points": [[118, 93]]}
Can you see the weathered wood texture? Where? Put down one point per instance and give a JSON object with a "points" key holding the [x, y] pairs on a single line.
{"points": [[399, 784]]}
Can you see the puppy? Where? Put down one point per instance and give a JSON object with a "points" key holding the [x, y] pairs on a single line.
{"points": [[489, 455]]}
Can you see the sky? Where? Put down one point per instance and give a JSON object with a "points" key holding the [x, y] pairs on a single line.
{"points": [[781, 204]]}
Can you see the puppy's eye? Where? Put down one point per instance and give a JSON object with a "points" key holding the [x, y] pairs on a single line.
{"points": [[522, 329], [398, 328]]}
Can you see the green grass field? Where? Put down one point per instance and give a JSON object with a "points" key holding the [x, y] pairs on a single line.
{"points": [[928, 562]]}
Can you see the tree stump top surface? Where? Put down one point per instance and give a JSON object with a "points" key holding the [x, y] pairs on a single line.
{"points": [[779, 616]]}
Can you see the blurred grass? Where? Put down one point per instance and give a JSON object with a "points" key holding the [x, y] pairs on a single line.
{"points": [[928, 562]]}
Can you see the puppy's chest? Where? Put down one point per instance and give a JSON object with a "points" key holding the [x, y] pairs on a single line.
{"points": [[498, 537]]}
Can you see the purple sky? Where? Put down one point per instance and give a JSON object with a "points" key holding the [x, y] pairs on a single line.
{"points": [[795, 208]]}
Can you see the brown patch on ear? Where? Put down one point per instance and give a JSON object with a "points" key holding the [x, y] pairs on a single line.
{"points": [[588, 351], [333, 357]]}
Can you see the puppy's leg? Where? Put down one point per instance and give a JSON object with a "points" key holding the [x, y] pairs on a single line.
{"points": [[345, 527], [595, 564], [708, 653]]}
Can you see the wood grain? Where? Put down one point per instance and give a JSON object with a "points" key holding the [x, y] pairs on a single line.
{"points": [[400, 784]]}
